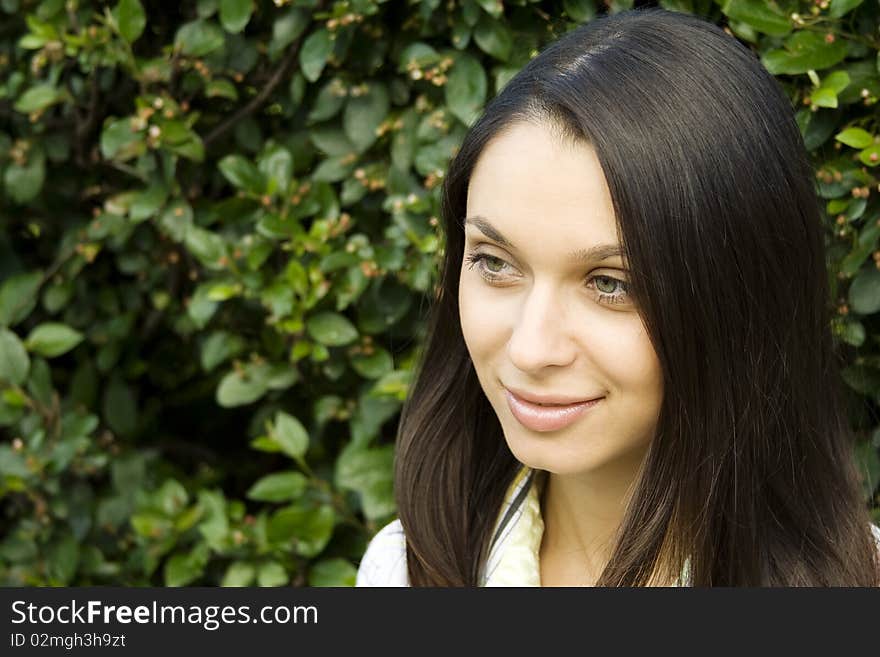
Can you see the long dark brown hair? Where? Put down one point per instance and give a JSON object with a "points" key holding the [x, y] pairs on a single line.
{"points": [[750, 475]]}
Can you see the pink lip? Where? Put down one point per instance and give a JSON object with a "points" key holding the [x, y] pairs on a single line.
{"points": [[546, 418]]}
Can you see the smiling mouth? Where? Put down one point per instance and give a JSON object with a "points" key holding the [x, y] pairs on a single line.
{"points": [[547, 417]]}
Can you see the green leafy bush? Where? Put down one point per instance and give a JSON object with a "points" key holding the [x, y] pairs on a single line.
{"points": [[219, 238]]}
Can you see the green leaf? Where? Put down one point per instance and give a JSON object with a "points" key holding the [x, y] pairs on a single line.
{"points": [[176, 219], [383, 305], [24, 183], [181, 569], [198, 38], [52, 339], [331, 140], [465, 90], [417, 54], [239, 573], [193, 149], [214, 525], [855, 137], [18, 297], [276, 166], [14, 360], [364, 113], [369, 472], [331, 329], [315, 51], [840, 8], [120, 407], [171, 498], [332, 572], [12, 463], [281, 376], [272, 574], [218, 347], [334, 169], [310, 529], [461, 33], [131, 18], [395, 384], [151, 524], [37, 98], [580, 11], [370, 413], [147, 202], [804, 51], [374, 366], [494, 38], [287, 29], [237, 390], [836, 81], [853, 333], [205, 245], [824, 97], [864, 292], [864, 380], [119, 141], [495, 8], [330, 99], [63, 560], [817, 127], [871, 155], [242, 174], [290, 434], [759, 15], [235, 14], [825, 94], [221, 89], [404, 141], [279, 487]]}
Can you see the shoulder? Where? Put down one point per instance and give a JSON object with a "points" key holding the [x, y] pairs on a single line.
{"points": [[384, 562], [876, 530]]}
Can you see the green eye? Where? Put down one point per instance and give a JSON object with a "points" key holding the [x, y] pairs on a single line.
{"points": [[611, 282], [490, 260]]}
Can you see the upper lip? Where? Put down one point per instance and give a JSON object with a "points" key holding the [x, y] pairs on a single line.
{"points": [[550, 399]]}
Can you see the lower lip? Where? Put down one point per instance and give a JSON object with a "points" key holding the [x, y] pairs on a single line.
{"points": [[546, 418]]}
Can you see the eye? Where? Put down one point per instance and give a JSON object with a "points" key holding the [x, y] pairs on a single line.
{"points": [[611, 290], [490, 267], [602, 284]]}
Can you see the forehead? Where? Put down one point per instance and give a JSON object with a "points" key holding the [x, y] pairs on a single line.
{"points": [[527, 182]]}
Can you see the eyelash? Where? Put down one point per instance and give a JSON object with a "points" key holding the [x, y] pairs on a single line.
{"points": [[475, 258]]}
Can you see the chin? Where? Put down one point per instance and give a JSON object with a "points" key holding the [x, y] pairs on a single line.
{"points": [[570, 454], [551, 456]]}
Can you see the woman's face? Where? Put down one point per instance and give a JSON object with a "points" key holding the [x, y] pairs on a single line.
{"points": [[542, 316]]}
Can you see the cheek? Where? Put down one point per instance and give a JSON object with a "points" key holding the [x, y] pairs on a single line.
{"points": [[476, 327], [484, 326], [640, 378], [633, 358]]}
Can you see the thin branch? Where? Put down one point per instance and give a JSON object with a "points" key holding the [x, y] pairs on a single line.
{"points": [[280, 73], [85, 125]]}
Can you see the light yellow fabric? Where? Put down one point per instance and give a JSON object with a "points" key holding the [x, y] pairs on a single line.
{"points": [[518, 563]]}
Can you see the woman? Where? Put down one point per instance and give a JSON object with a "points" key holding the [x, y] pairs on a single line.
{"points": [[632, 238]]}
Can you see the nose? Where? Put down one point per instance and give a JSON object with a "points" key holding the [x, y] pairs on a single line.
{"points": [[540, 337]]}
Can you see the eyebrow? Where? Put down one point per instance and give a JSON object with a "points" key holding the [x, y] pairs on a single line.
{"points": [[593, 254]]}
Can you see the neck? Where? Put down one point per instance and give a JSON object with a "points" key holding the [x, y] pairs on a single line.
{"points": [[582, 513]]}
